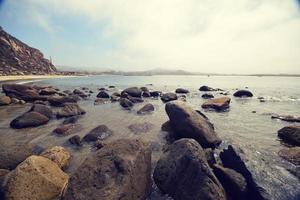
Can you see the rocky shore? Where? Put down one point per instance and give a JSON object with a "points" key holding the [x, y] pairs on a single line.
{"points": [[194, 162]]}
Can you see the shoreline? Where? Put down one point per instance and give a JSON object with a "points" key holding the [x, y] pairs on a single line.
{"points": [[31, 77]]}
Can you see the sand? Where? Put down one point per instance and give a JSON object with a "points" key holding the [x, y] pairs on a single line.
{"points": [[30, 77]]}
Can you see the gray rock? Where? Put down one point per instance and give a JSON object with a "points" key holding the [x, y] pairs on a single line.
{"points": [[99, 133], [146, 109], [133, 91], [103, 94], [29, 119], [181, 90], [166, 97], [125, 103], [42, 109], [69, 110]]}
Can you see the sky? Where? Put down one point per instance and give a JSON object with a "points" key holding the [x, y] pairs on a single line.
{"points": [[223, 36]]}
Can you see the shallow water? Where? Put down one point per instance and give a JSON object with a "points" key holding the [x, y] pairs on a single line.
{"points": [[255, 133]]}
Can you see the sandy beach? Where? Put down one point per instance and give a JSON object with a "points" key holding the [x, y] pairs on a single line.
{"points": [[31, 77]]}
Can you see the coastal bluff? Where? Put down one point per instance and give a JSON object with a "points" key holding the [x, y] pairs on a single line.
{"points": [[17, 58]]}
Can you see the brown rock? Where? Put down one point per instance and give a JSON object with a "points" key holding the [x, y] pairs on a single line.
{"points": [[4, 100], [146, 109], [166, 97], [57, 154], [19, 91], [219, 104], [30, 119], [99, 133], [65, 129], [42, 109], [69, 110], [291, 154]]}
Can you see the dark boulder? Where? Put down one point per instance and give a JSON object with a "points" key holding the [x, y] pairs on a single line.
{"points": [[219, 104], [119, 170], [146, 94], [19, 91], [291, 154], [125, 103], [103, 94], [290, 134], [146, 109], [243, 93], [155, 93], [187, 123], [181, 90], [183, 173], [75, 140], [69, 110], [99, 133], [42, 109], [61, 101], [133, 91], [205, 88], [29, 119], [166, 97], [207, 96]]}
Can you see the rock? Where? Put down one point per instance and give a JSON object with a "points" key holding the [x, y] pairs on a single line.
{"points": [[61, 101], [205, 88], [103, 89], [210, 157], [219, 104], [144, 89], [42, 109], [287, 118], [181, 90], [117, 94], [111, 86], [102, 94], [187, 123], [100, 101], [69, 110], [135, 99], [233, 182], [5, 100], [146, 94], [207, 96], [59, 155], [114, 98], [98, 144], [15, 101], [243, 93], [125, 103], [140, 128], [65, 129], [119, 170], [30, 119], [183, 173], [99, 133], [155, 93], [18, 91], [168, 97], [233, 158], [76, 140], [36, 178], [48, 91], [291, 154], [71, 120], [79, 93], [290, 134], [133, 91], [146, 109], [3, 175]]}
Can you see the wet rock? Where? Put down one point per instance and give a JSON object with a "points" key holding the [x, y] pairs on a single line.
{"points": [[155, 93], [290, 134], [42, 109], [103, 94], [103, 89], [111, 86], [125, 103], [114, 98], [71, 120], [98, 144], [287, 118], [47, 91], [146, 94], [205, 88], [168, 97], [69, 110], [181, 90], [187, 123], [65, 129], [146, 109], [291, 154], [135, 99], [183, 173], [36, 178], [75, 140], [133, 91], [144, 89], [219, 104], [30, 119], [59, 155], [5, 100], [233, 182], [207, 96], [99, 133], [233, 158], [80, 93], [140, 128], [243, 93], [101, 101], [210, 157], [119, 170], [19, 91], [61, 101]]}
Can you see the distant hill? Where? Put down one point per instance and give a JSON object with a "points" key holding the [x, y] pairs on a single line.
{"points": [[17, 58]]}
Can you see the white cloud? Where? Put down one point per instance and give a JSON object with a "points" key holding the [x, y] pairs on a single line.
{"points": [[198, 35]]}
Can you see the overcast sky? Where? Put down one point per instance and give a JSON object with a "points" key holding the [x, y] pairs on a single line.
{"points": [[222, 36]]}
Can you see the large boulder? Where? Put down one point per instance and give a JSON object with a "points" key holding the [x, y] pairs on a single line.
{"points": [[5, 100], [181, 91], [30, 119], [119, 170], [99, 133], [219, 104], [69, 110], [166, 97], [291, 154], [290, 134], [146, 109], [42, 109], [60, 101], [133, 91], [57, 154], [19, 91], [36, 178], [187, 123], [243, 93], [184, 174]]}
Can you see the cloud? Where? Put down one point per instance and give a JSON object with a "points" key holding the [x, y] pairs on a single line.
{"points": [[198, 35]]}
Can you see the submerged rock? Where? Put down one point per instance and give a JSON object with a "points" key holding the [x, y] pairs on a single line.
{"points": [[181, 90], [99, 133], [103, 94], [243, 93], [205, 88], [125, 103], [36, 178], [187, 123], [183, 173], [219, 104], [166, 97], [133, 91], [141, 128], [71, 120], [146, 109], [287, 118], [119, 170], [69, 110], [101, 101], [207, 96], [30, 119], [290, 134], [291, 154], [59, 155], [5, 100], [42, 109], [75, 140]]}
